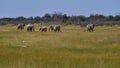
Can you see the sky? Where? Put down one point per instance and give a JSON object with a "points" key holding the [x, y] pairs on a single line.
{"points": [[27, 8]]}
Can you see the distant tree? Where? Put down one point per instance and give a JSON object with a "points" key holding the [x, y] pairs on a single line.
{"points": [[64, 17], [37, 19], [30, 18], [96, 17], [47, 15], [6, 20], [117, 18], [82, 18], [57, 16], [110, 17], [20, 18]]}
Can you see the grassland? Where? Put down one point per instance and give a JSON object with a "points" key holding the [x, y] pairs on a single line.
{"points": [[71, 48]]}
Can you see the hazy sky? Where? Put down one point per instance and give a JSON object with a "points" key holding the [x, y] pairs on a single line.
{"points": [[27, 8]]}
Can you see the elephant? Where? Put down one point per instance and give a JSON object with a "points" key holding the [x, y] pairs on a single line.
{"points": [[51, 28], [90, 27], [43, 29], [20, 26], [30, 27], [55, 28]]}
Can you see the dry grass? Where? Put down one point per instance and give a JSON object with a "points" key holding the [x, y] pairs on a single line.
{"points": [[71, 48]]}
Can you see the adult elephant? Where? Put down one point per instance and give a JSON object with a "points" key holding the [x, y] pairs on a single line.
{"points": [[51, 28], [55, 28], [20, 26], [30, 27], [43, 29], [90, 27]]}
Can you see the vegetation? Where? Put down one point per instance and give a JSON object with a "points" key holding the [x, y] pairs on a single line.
{"points": [[61, 18], [71, 48]]}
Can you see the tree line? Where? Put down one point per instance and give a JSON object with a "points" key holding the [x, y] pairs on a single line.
{"points": [[60, 18]]}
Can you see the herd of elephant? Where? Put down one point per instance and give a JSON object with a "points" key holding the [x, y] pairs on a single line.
{"points": [[30, 28], [56, 28]]}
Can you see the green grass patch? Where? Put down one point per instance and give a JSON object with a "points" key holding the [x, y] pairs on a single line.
{"points": [[70, 48]]}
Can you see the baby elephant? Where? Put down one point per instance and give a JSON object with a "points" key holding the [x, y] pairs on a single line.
{"points": [[43, 29]]}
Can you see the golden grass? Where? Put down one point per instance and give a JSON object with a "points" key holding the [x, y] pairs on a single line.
{"points": [[71, 48]]}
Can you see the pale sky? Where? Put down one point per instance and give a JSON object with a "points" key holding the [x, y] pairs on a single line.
{"points": [[27, 8]]}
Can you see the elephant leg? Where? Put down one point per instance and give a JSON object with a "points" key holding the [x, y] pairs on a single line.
{"points": [[91, 29], [31, 29], [27, 29]]}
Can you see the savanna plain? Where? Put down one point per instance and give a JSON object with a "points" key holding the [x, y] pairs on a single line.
{"points": [[70, 48]]}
